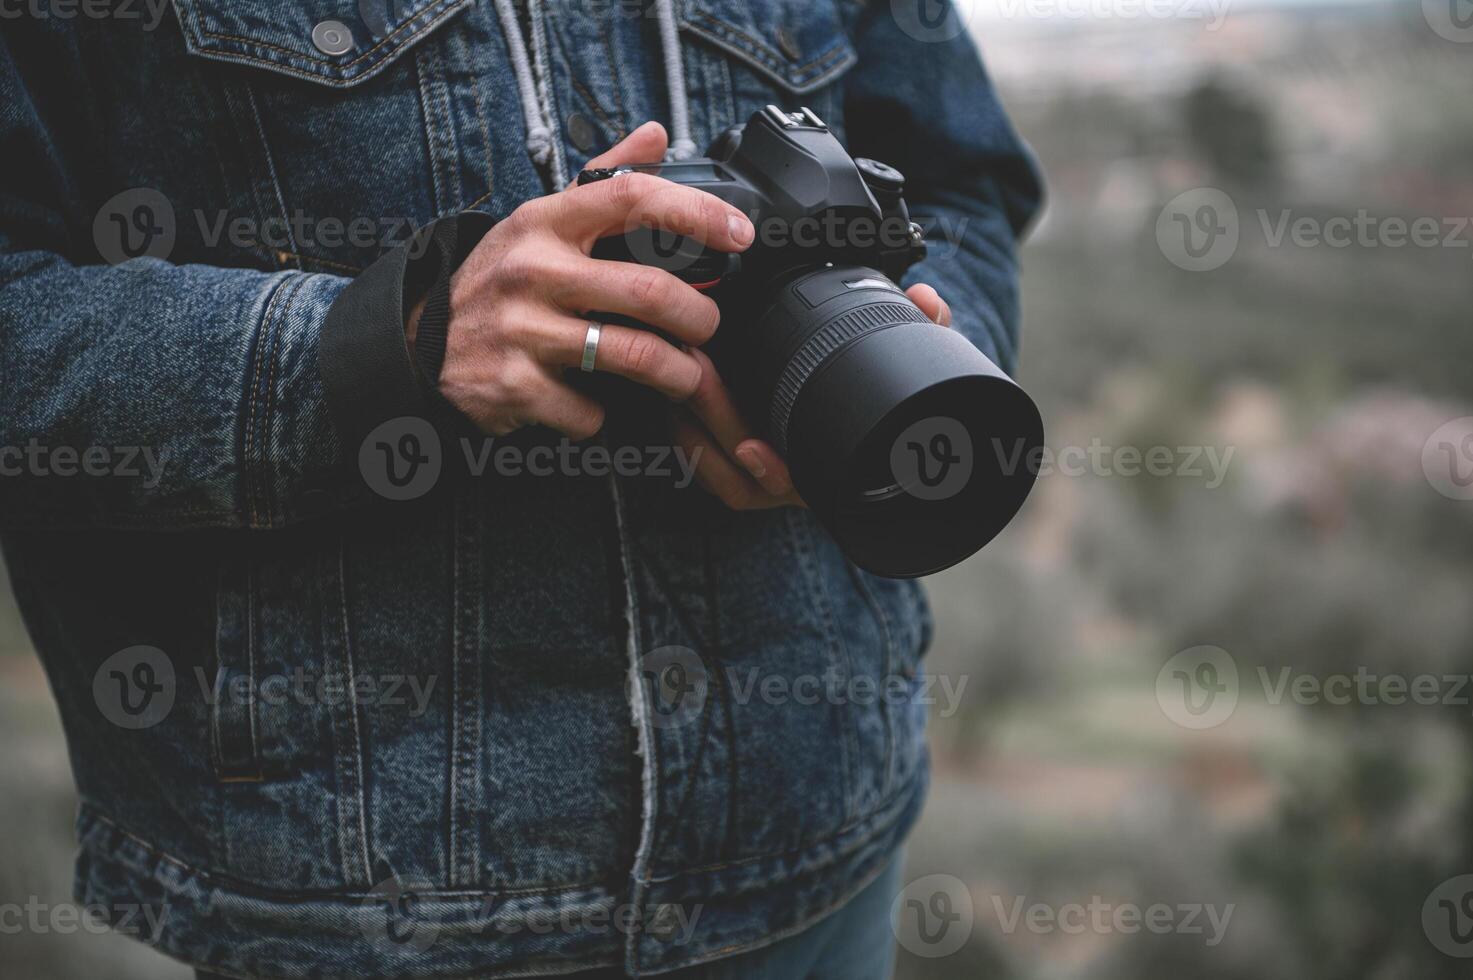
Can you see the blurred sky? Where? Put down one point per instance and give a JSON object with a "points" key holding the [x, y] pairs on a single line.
{"points": [[1036, 10]]}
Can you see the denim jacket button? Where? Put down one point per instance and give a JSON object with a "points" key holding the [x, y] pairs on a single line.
{"points": [[580, 131], [665, 923], [332, 37], [789, 44]]}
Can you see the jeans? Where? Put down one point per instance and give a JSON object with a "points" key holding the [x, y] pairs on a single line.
{"points": [[853, 943]]}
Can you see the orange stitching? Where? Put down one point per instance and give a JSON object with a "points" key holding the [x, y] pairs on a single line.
{"points": [[618, 85], [302, 54], [465, 53], [760, 49], [594, 104], [480, 200], [455, 5], [247, 887], [304, 257]]}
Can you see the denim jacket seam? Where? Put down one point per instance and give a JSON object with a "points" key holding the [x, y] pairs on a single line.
{"points": [[275, 894], [880, 810], [466, 757], [803, 544], [250, 461], [599, 109], [733, 949], [689, 772], [617, 84], [441, 137], [588, 96], [878, 612], [359, 802], [303, 257], [449, 6], [459, 41], [268, 481], [769, 57], [479, 201]]}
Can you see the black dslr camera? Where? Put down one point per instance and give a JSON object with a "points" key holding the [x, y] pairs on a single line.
{"points": [[908, 443]]}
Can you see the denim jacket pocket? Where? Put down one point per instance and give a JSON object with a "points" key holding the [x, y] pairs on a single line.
{"points": [[745, 55], [298, 95], [277, 680], [334, 42], [799, 45]]}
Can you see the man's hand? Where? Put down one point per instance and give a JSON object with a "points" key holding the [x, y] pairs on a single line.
{"points": [[745, 472], [518, 305]]}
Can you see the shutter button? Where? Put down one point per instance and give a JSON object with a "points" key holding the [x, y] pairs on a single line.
{"points": [[332, 37]]}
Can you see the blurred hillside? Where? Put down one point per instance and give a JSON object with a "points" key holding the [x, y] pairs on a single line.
{"points": [[1325, 550]]}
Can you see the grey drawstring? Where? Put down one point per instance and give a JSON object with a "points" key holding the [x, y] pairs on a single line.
{"points": [[682, 147], [539, 126], [533, 87], [538, 31]]}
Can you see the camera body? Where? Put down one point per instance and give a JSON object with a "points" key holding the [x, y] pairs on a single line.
{"points": [[811, 203], [882, 416]]}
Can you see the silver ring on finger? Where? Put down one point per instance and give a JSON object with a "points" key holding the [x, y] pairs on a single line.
{"points": [[590, 347]]}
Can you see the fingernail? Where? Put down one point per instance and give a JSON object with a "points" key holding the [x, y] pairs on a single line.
{"points": [[741, 230], [752, 462]]}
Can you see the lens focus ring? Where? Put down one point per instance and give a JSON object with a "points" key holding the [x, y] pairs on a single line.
{"points": [[827, 340]]}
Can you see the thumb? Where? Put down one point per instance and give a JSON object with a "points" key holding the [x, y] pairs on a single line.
{"points": [[930, 303], [647, 144]]}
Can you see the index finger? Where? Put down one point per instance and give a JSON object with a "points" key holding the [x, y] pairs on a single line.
{"points": [[583, 215]]}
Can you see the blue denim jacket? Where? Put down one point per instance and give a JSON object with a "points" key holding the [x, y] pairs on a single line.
{"points": [[175, 223]]}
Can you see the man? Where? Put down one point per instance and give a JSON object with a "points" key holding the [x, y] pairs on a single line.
{"points": [[351, 693]]}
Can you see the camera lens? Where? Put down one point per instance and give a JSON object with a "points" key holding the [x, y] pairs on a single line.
{"points": [[910, 445]]}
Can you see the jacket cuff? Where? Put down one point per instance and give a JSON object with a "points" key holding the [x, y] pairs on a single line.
{"points": [[369, 375]]}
